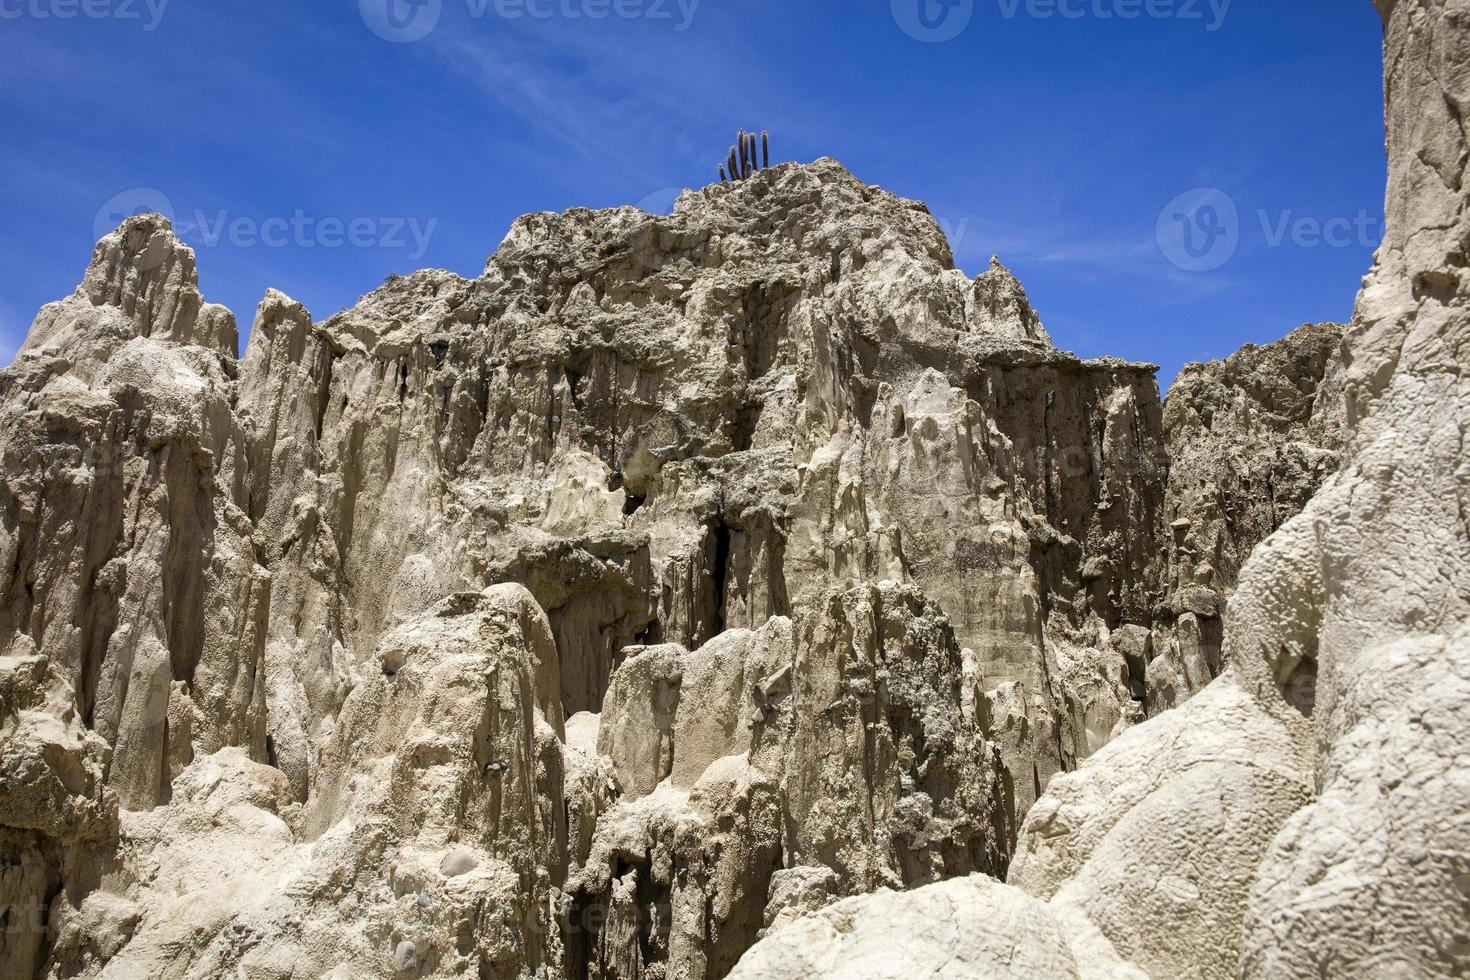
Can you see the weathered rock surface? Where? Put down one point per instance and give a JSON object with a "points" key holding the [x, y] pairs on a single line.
{"points": [[433, 844], [667, 428], [1303, 816], [131, 607], [1346, 638], [1251, 439], [1379, 861], [963, 929], [730, 593], [847, 750], [821, 531]]}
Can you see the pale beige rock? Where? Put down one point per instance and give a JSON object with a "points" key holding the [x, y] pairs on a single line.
{"points": [[1251, 439], [129, 565], [845, 748], [964, 929], [728, 687], [1346, 634], [636, 729], [796, 892], [831, 563], [1158, 837], [1384, 850], [441, 843]]}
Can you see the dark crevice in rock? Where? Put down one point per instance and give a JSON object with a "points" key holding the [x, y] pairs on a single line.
{"points": [[719, 575]]}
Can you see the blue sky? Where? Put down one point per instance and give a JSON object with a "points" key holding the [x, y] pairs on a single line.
{"points": [[1081, 140]]}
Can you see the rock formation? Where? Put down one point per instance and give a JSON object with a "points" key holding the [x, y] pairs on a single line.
{"points": [[1304, 815], [739, 592], [1250, 440]]}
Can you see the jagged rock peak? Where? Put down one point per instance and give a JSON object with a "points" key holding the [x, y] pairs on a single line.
{"points": [[814, 225], [144, 279], [1003, 306]]}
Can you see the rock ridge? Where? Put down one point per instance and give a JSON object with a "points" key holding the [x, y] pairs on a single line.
{"points": [[730, 592]]}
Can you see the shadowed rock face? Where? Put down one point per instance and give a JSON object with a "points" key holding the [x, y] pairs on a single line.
{"points": [[671, 427], [822, 535], [629, 605], [1303, 816], [1250, 439]]}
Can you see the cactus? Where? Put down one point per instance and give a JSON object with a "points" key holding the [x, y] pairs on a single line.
{"points": [[747, 156]]}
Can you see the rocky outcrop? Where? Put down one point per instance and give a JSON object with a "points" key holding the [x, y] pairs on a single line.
{"points": [[846, 754], [825, 534], [1301, 817], [1384, 847], [433, 845], [1250, 439], [131, 606], [1346, 634], [963, 928], [672, 427], [130, 570], [730, 593]]}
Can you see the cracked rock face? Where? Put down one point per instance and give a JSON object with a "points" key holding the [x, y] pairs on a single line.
{"points": [[816, 541], [1251, 439], [739, 592], [1303, 816]]}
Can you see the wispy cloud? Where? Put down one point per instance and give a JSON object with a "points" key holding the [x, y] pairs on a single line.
{"points": [[1055, 246], [612, 91], [1079, 252], [584, 92]]}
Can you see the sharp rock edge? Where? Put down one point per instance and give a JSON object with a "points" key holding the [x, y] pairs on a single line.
{"points": [[739, 592]]}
